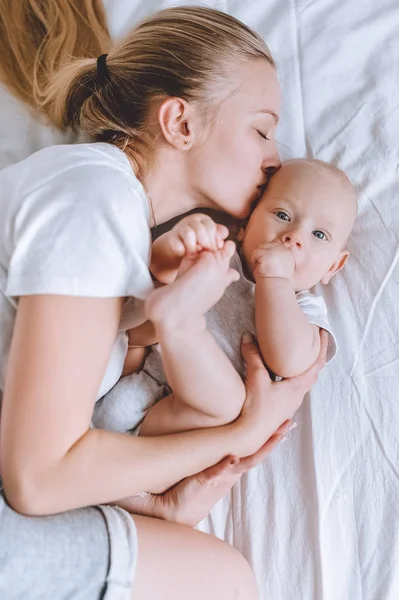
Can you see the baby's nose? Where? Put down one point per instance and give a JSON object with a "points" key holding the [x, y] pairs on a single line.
{"points": [[292, 238]]}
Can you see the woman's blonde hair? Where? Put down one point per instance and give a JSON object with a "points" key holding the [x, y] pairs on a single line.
{"points": [[37, 37], [188, 52]]}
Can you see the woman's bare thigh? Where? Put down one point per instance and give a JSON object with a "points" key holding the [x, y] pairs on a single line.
{"points": [[179, 563]]}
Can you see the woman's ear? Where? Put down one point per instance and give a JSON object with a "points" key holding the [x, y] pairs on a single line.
{"points": [[175, 120], [336, 267]]}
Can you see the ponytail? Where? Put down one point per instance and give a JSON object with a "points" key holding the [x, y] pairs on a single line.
{"points": [[37, 37]]}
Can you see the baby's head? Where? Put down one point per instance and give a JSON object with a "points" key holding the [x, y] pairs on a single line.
{"points": [[310, 207]]}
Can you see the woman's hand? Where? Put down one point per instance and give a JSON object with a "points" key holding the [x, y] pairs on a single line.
{"points": [[191, 500], [268, 404], [266, 415]]}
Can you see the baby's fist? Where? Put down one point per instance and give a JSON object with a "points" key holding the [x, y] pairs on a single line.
{"points": [[273, 260]]}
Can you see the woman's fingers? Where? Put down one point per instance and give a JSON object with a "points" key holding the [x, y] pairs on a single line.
{"points": [[321, 359], [252, 357], [270, 403], [249, 462], [189, 501], [236, 466], [285, 427], [140, 504], [302, 383]]}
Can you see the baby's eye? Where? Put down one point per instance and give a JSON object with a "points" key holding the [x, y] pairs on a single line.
{"points": [[282, 215], [319, 234]]}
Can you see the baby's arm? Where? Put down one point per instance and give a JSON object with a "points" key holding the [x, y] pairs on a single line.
{"points": [[289, 343]]}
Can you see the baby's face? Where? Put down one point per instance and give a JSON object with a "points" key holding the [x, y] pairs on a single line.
{"points": [[310, 211]]}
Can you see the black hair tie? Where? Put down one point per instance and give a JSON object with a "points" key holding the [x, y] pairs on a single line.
{"points": [[102, 69]]}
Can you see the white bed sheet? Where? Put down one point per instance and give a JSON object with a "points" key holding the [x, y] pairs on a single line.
{"points": [[320, 519]]}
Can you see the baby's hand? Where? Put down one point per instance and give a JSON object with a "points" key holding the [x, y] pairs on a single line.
{"points": [[273, 260], [195, 233]]}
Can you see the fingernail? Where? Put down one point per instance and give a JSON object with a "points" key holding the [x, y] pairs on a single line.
{"points": [[292, 426], [283, 439], [247, 338]]}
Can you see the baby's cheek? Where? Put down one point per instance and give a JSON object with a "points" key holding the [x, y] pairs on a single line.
{"points": [[309, 273]]}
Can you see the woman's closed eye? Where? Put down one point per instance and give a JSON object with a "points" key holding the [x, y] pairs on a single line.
{"points": [[263, 135]]}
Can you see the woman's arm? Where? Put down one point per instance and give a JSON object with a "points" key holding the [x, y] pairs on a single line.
{"points": [[191, 500], [51, 460]]}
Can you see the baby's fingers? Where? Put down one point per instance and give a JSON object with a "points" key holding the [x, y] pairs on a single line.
{"points": [[177, 246], [221, 234], [206, 234], [228, 250], [188, 237]]}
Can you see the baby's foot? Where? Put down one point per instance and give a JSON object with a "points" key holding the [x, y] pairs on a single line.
{"points": [[201, 283]]}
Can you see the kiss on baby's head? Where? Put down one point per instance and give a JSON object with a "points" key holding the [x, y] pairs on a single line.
{"points": [[304, 217]]}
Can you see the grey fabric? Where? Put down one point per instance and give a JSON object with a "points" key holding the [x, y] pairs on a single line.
{"points": [[85, 554]]}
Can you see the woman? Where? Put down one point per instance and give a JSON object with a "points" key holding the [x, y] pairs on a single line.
{"points": [[172, 125]]}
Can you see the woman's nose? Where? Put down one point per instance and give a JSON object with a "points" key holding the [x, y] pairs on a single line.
{"points": [[272, 162]]}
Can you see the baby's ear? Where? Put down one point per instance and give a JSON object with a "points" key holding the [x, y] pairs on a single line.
{"points": [[240, 234], [336, 267]]}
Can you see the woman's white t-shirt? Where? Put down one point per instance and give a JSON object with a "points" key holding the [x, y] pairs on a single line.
{"points": [[74, 221]]}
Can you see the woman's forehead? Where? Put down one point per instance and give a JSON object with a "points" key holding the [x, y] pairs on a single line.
{"points": [[256, 90]]}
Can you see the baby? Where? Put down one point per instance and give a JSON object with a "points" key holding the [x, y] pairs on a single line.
{"points": [[294, 239]]}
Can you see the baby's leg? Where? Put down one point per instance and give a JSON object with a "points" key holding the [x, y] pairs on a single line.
{"points": [[172, 415], [140, 339], [206, 388], [134, 360]]}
